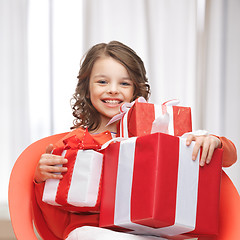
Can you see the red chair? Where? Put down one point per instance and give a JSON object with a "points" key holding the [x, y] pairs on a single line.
{"points": [[21, 199], [24, 210], [229, 219]]}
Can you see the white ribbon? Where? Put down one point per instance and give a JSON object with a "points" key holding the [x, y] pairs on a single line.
{"points": [[85, 182], [124, 126], [164, 121], [187, 189]]}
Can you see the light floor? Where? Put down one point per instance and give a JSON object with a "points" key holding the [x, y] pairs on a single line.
{"points": [[6, 231]]}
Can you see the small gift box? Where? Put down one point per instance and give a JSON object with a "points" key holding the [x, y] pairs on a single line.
{"points": [[152, 186], [79, 189], [141, 118]]}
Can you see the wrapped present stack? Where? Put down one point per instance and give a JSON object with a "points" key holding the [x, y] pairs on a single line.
{"points": [[151, 185]]}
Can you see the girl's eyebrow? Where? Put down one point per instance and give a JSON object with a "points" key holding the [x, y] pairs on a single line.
{"points": [[99, 75], [105, 76], [126, 78]]}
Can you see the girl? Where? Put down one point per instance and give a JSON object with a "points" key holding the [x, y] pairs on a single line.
{"points": [[110, 75]]}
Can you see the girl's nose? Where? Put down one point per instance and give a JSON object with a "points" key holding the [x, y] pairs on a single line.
{"points": [[113, 88]]}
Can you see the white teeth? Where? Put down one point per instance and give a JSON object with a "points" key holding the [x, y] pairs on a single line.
{"points": [[112, 101]]}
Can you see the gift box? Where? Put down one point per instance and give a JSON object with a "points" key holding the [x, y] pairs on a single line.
{"points": [[144, 118], [79, 189], [152, 186]]}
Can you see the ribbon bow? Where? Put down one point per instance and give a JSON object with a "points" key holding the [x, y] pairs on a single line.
{"points": [[161, 123], [87, 142], [124, 108]]}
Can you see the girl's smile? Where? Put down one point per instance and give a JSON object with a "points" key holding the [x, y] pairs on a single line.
{"points": [[109, 86], [112, 102]]}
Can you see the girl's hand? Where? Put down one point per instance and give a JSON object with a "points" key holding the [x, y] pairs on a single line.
{"points": [[208, 143], [47, 166]]}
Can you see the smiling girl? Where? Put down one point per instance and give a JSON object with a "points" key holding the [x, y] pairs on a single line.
{"points": [[111, 74]]}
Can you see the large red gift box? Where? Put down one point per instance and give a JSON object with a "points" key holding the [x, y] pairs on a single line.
{"points": [[80, 188], [138, 121], [152, 186]]}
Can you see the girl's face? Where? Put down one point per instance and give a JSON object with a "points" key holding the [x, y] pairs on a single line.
{"points": [[109, 86]]}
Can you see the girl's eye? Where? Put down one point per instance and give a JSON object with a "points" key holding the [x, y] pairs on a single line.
{"points": [[102, 81], [126, 83]]}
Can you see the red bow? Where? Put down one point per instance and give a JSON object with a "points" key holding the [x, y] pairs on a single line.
{"points": [[87, 142]]}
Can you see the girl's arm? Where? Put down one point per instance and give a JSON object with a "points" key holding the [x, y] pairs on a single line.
{"points": [[229, 152]]}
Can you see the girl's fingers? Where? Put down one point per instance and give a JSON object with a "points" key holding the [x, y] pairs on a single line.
{"points": [[190, 138], [53, 176], [49, 159], [196, 149], [205, 150], [208, 144], [210, 153], [44, 172], [55, 169], [50, 166], [204, 155]]}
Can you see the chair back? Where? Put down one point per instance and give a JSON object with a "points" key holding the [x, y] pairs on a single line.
{"points": [[21, 198], [229, 218]]}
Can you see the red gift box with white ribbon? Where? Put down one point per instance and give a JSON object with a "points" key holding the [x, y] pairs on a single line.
{"points": [[79, 189], [140, 118], [152, 186]]}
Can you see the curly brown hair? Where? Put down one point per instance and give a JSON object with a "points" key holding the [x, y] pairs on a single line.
{"points": [[83, 111]]}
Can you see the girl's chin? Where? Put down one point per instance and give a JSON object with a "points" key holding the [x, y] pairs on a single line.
{"points": [[108, 117], [112, 112]]}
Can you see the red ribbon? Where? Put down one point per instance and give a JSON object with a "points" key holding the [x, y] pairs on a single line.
{"points": [[87, 142]]}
